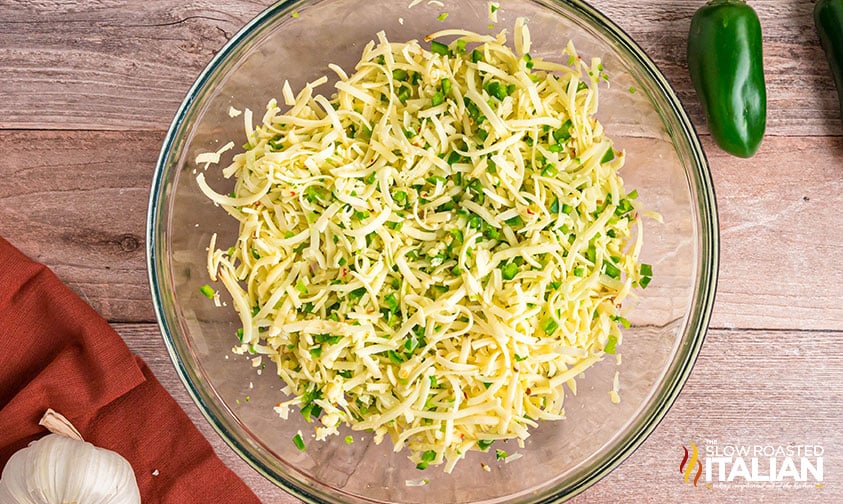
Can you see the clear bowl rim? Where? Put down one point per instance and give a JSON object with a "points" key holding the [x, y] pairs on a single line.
{"points": [[700, 312]]}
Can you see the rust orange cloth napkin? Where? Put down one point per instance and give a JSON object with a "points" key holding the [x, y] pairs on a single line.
{"points": [[57, 352]]}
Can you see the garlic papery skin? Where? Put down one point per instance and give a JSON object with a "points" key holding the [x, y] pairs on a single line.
{"points": [[60, 470]]}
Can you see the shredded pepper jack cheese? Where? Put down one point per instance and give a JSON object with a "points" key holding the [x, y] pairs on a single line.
{"points": [[437, 249]]}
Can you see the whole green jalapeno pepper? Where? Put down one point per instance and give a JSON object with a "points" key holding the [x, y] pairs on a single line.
{"points": [[725, 60], [828, 19]]}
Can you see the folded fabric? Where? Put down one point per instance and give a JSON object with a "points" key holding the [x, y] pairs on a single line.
{"points": [[57, 352]]}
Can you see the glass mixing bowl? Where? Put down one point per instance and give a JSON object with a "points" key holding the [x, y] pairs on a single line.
{"points": [[665, 162]]}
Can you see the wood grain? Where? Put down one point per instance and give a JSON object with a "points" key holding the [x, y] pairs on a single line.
{"points": [[106, 64], [779, 239], [131, 63], [745, 389], [77, 201]]}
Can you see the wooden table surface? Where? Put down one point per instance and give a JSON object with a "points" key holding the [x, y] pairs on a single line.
{"points": [[88, 89]]}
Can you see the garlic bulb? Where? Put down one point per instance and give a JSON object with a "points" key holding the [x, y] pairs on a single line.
{"points": [[61, 468]]}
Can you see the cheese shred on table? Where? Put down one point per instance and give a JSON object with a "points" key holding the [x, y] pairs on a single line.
{"points": [[437, 249]]}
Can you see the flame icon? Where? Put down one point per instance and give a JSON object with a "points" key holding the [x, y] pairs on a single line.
{"points": [[689, 462]]}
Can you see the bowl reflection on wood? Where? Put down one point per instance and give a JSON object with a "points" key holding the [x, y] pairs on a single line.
{"points": [[664, 162]]}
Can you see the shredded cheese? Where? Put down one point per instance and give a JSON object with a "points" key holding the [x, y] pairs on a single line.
{"points": [[438, 249]]}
